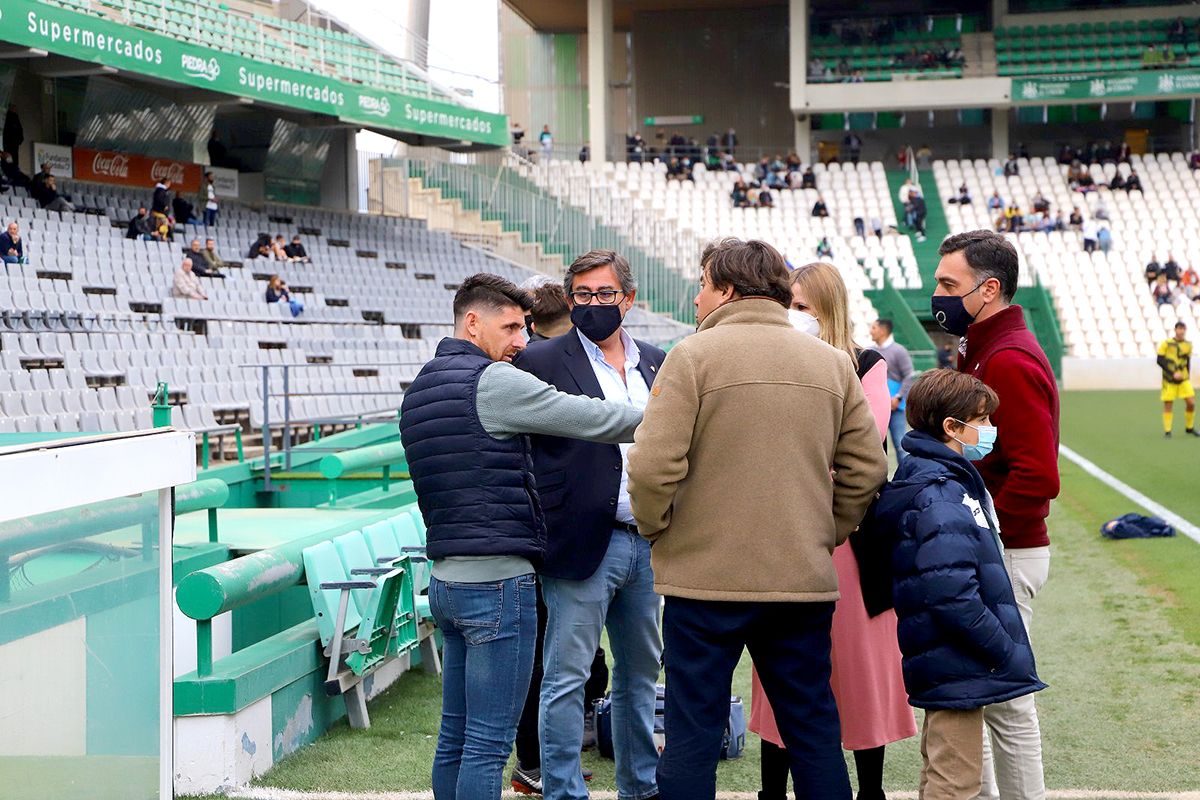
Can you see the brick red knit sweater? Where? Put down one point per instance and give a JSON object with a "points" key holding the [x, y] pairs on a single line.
{"points": [[1022, 471]]}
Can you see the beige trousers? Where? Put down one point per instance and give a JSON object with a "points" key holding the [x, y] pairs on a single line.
{"points": [[951, 755]]}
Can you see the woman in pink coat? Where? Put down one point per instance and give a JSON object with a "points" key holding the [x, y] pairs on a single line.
{"points": [[866, 678]]}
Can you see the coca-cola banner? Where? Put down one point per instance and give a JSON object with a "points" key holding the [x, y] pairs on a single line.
{"points": [[125, 169]]}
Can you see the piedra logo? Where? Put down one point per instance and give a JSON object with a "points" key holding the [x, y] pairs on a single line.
{"points": [[197, 67], [167, 171], [112, 165], [375, 106]]}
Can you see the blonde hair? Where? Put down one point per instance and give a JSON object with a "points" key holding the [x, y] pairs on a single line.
{"points": [[826, 294]]}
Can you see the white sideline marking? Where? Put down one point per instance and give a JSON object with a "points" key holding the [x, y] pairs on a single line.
{"points": [[267, 793], [1182, 525]]}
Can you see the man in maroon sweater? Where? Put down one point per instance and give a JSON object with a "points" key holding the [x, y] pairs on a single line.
{"points": [[976, 281]]}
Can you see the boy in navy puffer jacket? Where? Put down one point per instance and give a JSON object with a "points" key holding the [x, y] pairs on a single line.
{"points": [[960, 632]]}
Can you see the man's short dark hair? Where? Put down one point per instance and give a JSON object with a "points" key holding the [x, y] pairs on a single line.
{"points": [[989, 255], [594, 259], [941, 393], [484, 290], [886, 324], [549, 305], [753, 269], [1181, 324]]}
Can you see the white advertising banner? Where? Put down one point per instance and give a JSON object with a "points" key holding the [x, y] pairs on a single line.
{"points": [[57, 156]]}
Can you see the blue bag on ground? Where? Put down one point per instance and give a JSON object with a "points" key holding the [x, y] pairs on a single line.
{"points": [[1136, 526], [732, 743]]}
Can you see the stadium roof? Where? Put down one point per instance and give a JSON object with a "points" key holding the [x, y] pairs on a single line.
{"points": [[570, 16]]}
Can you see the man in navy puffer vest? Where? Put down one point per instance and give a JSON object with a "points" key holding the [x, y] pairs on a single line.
{"points": [[464, 424], [960, 631]]}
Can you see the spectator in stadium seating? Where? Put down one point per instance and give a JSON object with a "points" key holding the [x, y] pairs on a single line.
{"points": [[900, 376], [1167, 55], [1117, 182], [693, 497], [277, 292], [824, 249], [860, 227], [816, 69], [161, 230], [777, 180], [546, 142], [853, 145], [597, 568], [964, 642], [186, 285], [676, 171], [795, 179], [1013, 218], [1177, 33], [762, 169], [1162, 292], [963, 197], [200, 266], [819, 208], [1189, 283], [1153, 270], [995, 202], [793, 163], [211, 259], [903, 194], [1151, 57], [877, 226], [1076, 219], [210, 200], [1090, 231], [1133, 182], [183, 210], [1060, 222], [279, 249], [730, 142], [585, 154], [218, 156], [12, 172], [140, 226], [1104, 238], [1171, 268], [917, 201], [1040, 203], [765, 198], [1066, 155], [924, 157], [1023, 150], [858, 77], [518, 135], [808, 180], [864, 650], [160, 203], [485, 536], [976, 280], [1124, 153], [260, 247], [12, 247], [295, 251], [51, 200], [1194, 161], [740, 194], [1011, 167]]}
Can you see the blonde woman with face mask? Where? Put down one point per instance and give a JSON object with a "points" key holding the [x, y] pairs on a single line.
{"points": [[866, 677]]}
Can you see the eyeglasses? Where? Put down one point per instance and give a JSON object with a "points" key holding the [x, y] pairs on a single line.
{"points": [[605, 297]]}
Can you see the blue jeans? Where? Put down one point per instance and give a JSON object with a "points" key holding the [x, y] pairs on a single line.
{"points": [[13, 260], [489, 631], [898, 426], [790, 645], [620, 594], [210, 217]]}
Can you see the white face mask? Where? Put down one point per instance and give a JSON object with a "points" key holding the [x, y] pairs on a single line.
{"points": [[804, 322]]}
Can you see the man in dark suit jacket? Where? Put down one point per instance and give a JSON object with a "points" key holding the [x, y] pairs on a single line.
{"points": [[597, 568]]}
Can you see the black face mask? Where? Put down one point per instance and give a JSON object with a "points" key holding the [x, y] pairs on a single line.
{"points": [[596, 322], [951, 314]]}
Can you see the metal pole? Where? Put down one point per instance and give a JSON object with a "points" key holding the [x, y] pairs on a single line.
{"points": [[166, 647], [287, 420], [266, 435]]}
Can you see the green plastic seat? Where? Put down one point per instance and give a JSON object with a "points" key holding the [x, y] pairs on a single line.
{"points": [[322, 564], [381, 541]]}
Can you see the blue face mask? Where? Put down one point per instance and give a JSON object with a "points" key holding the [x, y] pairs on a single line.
{"points": [[987, 440]]}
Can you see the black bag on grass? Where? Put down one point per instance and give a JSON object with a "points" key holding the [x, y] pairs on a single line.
{"points": [[1136, 526]]}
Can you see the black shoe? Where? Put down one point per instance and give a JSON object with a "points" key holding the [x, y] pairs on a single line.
{"points": [[527, 781], [1191, 432], [1167, 435]]}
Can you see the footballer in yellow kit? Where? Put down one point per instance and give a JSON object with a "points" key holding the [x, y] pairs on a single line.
{"points": [[1175, 360]]}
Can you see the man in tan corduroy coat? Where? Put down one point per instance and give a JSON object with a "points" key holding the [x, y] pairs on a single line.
{"points": [[757, 456]]}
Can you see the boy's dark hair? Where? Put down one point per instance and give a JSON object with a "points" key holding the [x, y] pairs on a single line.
{"points": [[989, 255], [886, 324], [549, 305], [484, 290], [941, 393], [753, 269], [1181, 324]]}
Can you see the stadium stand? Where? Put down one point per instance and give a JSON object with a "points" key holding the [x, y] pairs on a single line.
{"points": [[269, 39], [1104, 306], [88, 328], [887, 51], [703, 211], [1090, 47]]}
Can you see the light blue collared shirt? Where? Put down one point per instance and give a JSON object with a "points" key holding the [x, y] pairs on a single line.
{"points": [[633, 390]]}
